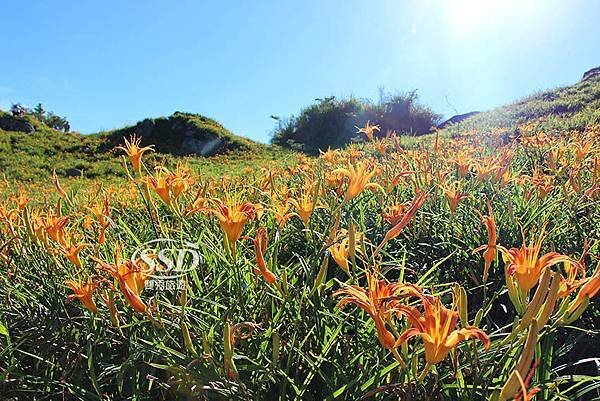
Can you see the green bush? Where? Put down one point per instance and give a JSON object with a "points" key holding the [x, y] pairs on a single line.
{"points": [[332, 122]]}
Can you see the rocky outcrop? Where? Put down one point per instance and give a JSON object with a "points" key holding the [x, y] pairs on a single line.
{"points": [[456, 119], [181, 134], [20, 124], [74, 172], [590, 74], [203, 147]]}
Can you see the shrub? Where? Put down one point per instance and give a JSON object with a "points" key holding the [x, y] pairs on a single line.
{"points": [[39, 113], [332, 122]]}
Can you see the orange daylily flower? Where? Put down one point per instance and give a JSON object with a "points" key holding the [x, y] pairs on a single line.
{"points": [[574, 274], [180, 180], [282, 213], [437, 327], [54, 227], [368, 130], [307, 201], [160, 186], [524, 265], [135, 152], [335, 181], [330, 155], [340, 253], [9, 217], [379, 300], [169, 185], [101, 213], [542, 182], [453, 195], [84, 292], [553, 158], [232, 216], [485, 169], [393, 214], [344, 250], [501, 174], [582, 149], [260, 241], [590, 287], [381, 145], [416, 203], [359, 176], [22, 199], [71, 252], [353, 153], [505, 179], [132, 277], [463, 164]]}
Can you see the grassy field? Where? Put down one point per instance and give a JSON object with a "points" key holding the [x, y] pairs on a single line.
{"points": [[32, 157], [458, 266]]}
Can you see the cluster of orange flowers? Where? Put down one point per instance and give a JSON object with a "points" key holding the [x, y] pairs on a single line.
{"points": [[453, 169]]}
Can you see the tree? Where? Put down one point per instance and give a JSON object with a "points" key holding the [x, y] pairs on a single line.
{"points": [[39, 112], [56, 122]]}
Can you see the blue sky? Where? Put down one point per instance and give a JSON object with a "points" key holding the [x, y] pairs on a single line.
{"points": [[106, 64]]}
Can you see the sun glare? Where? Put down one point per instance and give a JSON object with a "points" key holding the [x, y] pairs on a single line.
{"points": [[469, 16]]}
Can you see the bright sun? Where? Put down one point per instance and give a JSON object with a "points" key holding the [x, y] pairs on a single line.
{"points": [[468, 16]]}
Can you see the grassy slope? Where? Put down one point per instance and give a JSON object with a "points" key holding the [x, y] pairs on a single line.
{"points": [[568, 108], [167, 133], [31, 157]]}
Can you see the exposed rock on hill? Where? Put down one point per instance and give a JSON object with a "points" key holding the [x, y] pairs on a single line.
{"points": [[16, 124], [457, 118], [182, 134], [589, 74]]}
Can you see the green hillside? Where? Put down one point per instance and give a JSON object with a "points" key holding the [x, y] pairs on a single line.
{"points": [[29, 156], [32, 156], [181, 134], [568, 108]]}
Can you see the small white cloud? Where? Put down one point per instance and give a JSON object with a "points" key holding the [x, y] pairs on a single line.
{"points": [[413, 28]]}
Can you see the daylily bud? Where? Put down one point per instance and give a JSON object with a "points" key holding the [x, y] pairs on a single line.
{"points": [[230, 368], [548, 308], [512, 385], [460, 296], [321, 274], [276, 349], [351, 241], [187, 339]]}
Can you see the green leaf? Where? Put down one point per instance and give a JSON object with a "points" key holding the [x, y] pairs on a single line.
{"points": [[3, 330]]}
